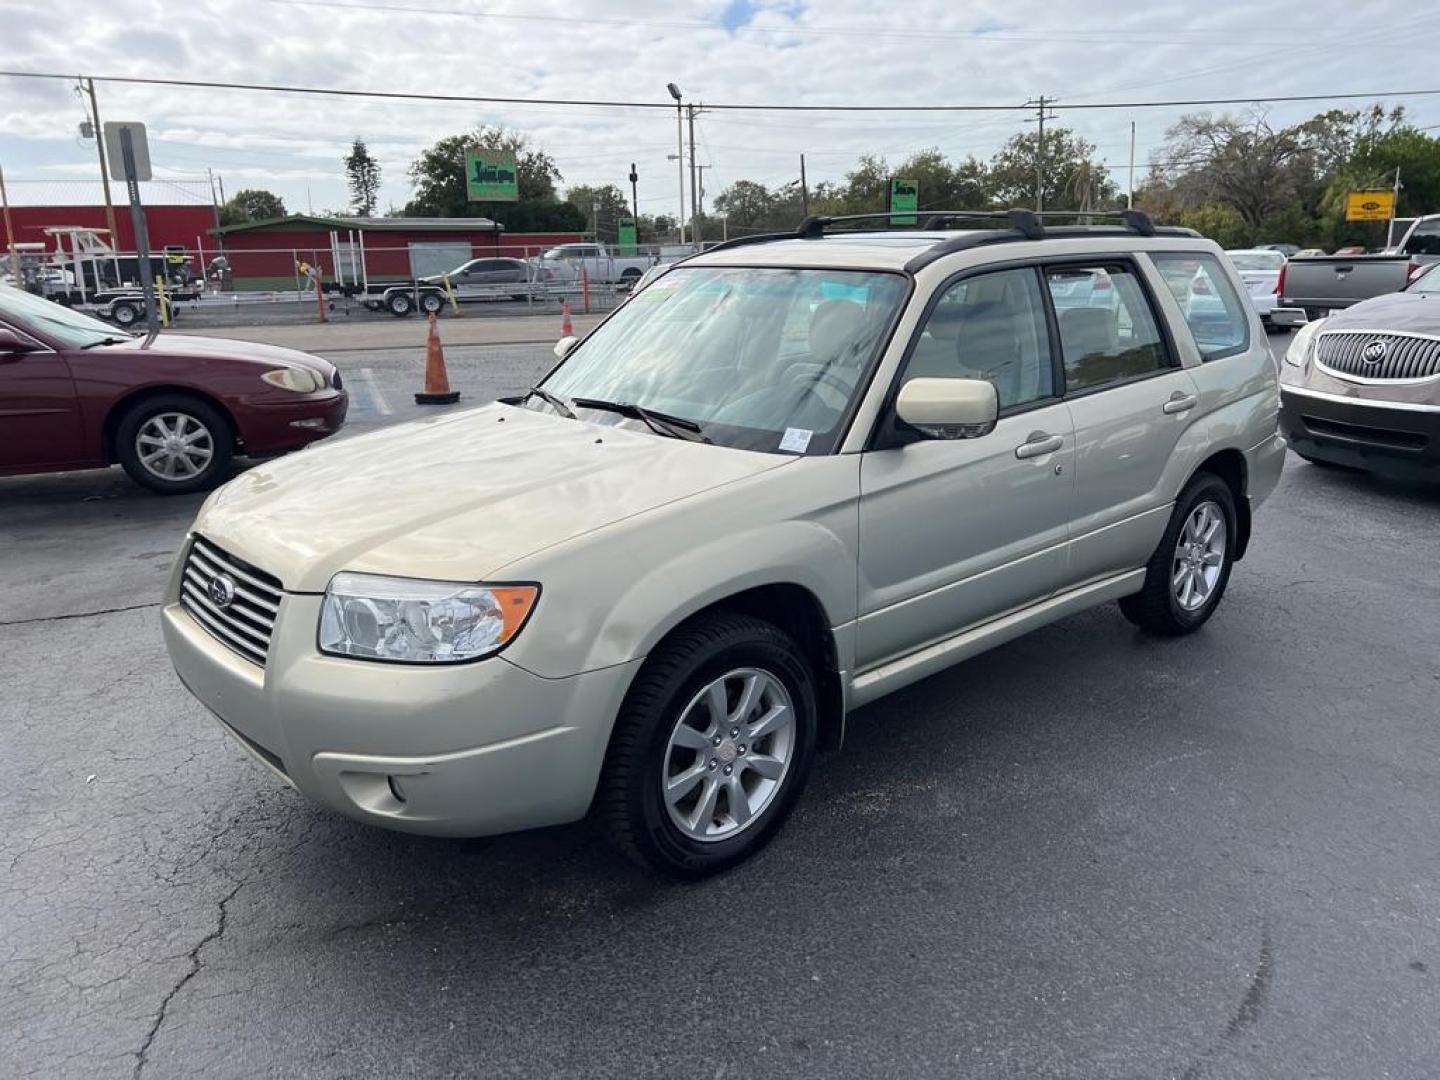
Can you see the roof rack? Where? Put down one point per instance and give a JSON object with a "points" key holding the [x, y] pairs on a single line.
{"points": [[1022, 224]]}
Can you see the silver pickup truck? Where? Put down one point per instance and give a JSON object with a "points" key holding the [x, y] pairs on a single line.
{"points": [[1313, 286]]}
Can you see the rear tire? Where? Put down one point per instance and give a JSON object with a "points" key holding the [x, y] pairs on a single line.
{"points": [[669, 736], [174, 444], [432, 303], [1186, 576], [125, 314], [399, 304]]}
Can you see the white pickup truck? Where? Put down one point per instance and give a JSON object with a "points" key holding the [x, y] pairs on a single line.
{"points": [[602, 266]]}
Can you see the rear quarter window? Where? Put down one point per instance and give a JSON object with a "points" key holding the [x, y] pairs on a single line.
{"points": [[1218, 318]]}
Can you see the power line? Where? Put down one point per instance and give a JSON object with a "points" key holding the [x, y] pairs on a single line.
{"points": [[134, 80]]}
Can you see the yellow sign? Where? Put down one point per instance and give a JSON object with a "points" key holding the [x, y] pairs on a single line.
{"points": [[1370, 206]]}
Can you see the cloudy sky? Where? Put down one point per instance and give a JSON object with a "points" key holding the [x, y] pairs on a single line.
{"points": [[919, 52]]}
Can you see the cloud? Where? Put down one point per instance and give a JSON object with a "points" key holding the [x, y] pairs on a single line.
{"points": [[844, 51]]}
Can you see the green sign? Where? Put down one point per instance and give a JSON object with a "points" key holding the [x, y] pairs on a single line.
{"points": [[904, 201], [490, 176], [628, 244]]}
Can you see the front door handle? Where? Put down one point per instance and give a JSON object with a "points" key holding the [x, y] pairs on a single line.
{"points": [[1179, 402], [1038, 445]]}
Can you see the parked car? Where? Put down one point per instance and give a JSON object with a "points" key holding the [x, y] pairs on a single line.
{"points": [[1288, 250], [493, 278], [601, 265], [1260, 270], [1314, 286], [1362, 387], [792, 476], [77, 393], [1350, 249]]}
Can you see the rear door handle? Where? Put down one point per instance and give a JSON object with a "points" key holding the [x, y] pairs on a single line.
{"points": [[1038, 445], [1179, 402]]}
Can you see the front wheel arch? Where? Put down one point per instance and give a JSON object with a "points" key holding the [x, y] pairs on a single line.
{"points": [[123, 405]]}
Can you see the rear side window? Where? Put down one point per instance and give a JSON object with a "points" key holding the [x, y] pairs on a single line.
{"points": [[1425, 239], [1108, 334], [1218, 319]]}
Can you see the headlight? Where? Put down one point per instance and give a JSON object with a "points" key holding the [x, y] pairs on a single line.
{"points": [[1303, 344], [420, 622], [299, 380]]}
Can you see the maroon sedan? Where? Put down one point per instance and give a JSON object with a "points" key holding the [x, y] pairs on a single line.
{"points": [[75, 393]]}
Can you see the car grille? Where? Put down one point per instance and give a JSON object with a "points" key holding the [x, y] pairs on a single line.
{"points": [[246, 621], [1342, 352]]}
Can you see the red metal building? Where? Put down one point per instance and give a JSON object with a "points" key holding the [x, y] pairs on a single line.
{"points": [[263, 254], [181, 225]]}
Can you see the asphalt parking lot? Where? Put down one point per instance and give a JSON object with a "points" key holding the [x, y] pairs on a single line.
{"points": [[1086, 854]]}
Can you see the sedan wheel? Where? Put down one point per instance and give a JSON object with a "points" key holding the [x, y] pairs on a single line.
{"points": [[729, 754], [174, 444]]}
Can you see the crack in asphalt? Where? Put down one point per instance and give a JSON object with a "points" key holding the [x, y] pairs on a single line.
{"points": [[78, 614], [196, 964]]}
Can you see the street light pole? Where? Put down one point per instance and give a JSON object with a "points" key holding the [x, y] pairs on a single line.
{"points": [[696, 228], [679, 151]]}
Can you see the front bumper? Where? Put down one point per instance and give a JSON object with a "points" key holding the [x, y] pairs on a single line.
{"points": [[463, 750], [1390, 437], [274, 427]]}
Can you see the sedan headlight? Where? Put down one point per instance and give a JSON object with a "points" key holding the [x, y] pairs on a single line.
{"points": [[1302, 346], [298, 380], [420, 622]]}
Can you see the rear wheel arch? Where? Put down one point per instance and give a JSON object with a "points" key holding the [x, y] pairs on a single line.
{"points": [[1229, 465], [123, 405]]}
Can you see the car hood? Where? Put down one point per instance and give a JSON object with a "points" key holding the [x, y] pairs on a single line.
{"points": [[267, 356], [457, 497], [1398, 313]]}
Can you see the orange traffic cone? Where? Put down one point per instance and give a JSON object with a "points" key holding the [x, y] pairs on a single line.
{"points": [[437, 384], [566, 330]]}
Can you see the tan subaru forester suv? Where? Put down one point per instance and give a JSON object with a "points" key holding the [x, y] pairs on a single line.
{"points": [[791, 475]]}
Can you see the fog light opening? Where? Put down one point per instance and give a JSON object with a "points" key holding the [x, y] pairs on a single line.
{"points": [[313, 423], [395, 788]]}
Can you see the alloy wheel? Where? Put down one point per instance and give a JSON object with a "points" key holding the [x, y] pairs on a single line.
{"points": [[728, 754], [1199, 556]]}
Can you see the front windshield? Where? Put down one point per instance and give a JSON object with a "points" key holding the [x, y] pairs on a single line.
{"points": [[1427, 282], [1257, 260], [762, 358], [49, 319]]}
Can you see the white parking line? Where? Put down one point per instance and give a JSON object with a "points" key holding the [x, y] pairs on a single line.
{"points": [[372, 388]]}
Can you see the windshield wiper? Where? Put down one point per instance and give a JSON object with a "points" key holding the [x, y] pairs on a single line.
{"points": [[677, 427], [555, 401], [106, 341]]}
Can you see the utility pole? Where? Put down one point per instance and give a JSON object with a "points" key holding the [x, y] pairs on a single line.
{"points": [[10, 234], [679, 151], [804, 189], [104, 170], [695, 235], [1130, 194], [1042, 102]]}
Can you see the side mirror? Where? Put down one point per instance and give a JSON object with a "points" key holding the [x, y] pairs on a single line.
{"points": [[12, 344], [948, 408], [564, 345]]}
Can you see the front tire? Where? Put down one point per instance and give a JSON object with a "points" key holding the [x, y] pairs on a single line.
{"points": [[125, 314], [174, 444], [400, 304], [712, 747], [432, 303], [1187, 575]]}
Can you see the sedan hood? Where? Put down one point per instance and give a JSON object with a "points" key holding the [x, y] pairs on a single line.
{"points": [[267, 356], [1396, 313], [455, 498]]}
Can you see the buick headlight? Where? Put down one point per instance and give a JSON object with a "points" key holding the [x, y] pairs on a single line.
{"points": [[1302, 346], [420, 622], [295, 379]]}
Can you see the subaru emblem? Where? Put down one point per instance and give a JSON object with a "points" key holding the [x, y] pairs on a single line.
{"points": [[1375, 352], [222, 591]]}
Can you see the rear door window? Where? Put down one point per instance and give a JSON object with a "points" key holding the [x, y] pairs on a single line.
{"points": [[1108, 334], [1218, 319], [1425, 239]]}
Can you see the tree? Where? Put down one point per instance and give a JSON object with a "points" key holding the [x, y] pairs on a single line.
{"points": [[362, 176], [611, 204], [1073, 178], [1242, 162], [251, 204], [439, 179]]}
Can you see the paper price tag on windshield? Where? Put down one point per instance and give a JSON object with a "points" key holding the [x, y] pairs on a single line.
{"points": [[795, 439]]}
